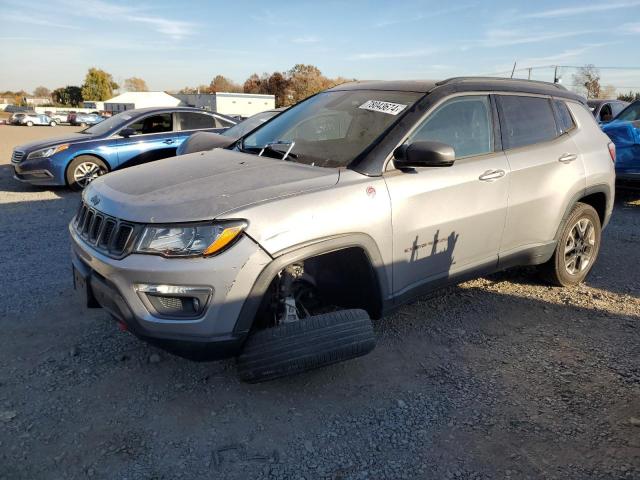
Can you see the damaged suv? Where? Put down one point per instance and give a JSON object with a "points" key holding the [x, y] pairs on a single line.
{"points": [[282, 247]]}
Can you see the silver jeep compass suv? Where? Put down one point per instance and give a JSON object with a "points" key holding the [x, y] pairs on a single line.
{"points": [[281, 247]]}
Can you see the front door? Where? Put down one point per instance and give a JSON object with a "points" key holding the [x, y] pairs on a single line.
{"points": [[447, 220], [154, 138]]}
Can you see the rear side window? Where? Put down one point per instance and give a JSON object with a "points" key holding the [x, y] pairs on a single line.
{"points": [[221, 123], [153, 124], [565, 120], [525, 121], [194, 121]]}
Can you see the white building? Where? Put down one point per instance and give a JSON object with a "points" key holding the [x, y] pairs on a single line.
{"points": [[242, 104], [131, 100]]}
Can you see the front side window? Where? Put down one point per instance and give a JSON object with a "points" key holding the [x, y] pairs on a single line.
{"points": [[153, 124], [194, 120], [331, 128], [464, 123], [565, 120], [525, 120]]}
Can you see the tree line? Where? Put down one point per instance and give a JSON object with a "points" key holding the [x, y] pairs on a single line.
{"points": [[288, 87]]}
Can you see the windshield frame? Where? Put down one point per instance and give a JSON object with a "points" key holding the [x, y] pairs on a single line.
{"points": [[419, 96], [108, 133]]}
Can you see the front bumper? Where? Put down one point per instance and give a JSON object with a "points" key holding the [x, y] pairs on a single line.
{"points": [[230, 275], [37, 172]]}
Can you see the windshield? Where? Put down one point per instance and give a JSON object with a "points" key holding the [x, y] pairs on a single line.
{"points": [[631, 113], [110, 125], [332, 128], [249, 124]]}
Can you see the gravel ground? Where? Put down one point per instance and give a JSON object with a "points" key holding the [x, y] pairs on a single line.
{"points": [[501, 377]]}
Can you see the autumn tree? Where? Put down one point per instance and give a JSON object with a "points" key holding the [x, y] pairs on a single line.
{"points": [[98, 85], [135, 84], [305, 80], [629, 97], [278, 84], [256, 84], [220, 83], [69, 95], [588, 77], [41, 92]]}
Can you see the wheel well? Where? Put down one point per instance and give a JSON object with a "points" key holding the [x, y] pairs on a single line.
{"points": [[343, 278], [66, 170], [598, 201]]}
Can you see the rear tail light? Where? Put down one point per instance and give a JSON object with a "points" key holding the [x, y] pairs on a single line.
{"points": [[612, 151]]}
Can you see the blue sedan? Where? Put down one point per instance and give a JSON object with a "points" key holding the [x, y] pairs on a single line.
{"points": [[128, 138], [624, 131]]}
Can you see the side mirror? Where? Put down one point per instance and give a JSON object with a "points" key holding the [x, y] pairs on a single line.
{"points": [[127, 132], [424, 154]]}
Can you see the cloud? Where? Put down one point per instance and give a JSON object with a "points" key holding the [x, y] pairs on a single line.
{"points": [[34, 20], [99, 9], [387, 55], [306, 39], [503, 38], [422, 16], [581, 9], [631, 28]]}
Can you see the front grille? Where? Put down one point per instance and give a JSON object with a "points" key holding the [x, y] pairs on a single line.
{"points": [[111, 235], [16, 157]]}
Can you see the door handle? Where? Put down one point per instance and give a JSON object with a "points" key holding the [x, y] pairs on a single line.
{"points": [[490, 175], [567, 157], [168, 141]]}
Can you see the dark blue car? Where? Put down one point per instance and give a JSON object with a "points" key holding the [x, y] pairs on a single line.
{"points": [[624, 131], [128, 138]]}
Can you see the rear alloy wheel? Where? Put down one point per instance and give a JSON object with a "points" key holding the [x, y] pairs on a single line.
{"points": [[577, 248], [83, 170], [53, 124], [82, 124], [29, 123]]}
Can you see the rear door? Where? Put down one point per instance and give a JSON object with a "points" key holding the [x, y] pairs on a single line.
{"points": [[546, 170], [154, 138]]}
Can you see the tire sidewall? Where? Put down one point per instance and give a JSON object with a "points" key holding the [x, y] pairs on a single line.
{"points": [[73, 185], [580, 211]]}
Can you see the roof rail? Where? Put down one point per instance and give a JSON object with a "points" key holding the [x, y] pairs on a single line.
{"points": [[462, 79]]}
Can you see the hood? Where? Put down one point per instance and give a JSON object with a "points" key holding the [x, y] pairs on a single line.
{"points": [[201, 186], [73, 138]]}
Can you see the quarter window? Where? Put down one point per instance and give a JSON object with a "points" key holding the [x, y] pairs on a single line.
{"points": [[565, 120], [526, 121], [194, 121], [153, 124], [464, 123]]}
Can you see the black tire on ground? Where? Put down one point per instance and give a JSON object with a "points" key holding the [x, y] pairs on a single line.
{"points": [[86, 159], [310, 343], [556, 271], [82, 124]]}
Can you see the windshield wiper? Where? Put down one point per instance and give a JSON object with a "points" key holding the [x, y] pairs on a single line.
{"points": [[270, 145]]}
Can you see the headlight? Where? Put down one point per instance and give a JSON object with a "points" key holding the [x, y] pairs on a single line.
{"points": [[189, 240], [47, 152]]}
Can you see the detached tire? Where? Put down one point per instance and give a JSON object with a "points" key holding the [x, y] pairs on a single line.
{"points": [[304, 345], [577, 249]]}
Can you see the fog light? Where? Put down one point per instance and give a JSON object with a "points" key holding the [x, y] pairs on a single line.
{"points": [[174, 301]]}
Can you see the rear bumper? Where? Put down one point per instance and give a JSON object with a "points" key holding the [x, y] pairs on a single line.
{"points": [[111, 284]]}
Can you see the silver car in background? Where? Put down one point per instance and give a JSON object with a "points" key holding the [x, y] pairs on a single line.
{"points": [[281, 247], [31, 119]]}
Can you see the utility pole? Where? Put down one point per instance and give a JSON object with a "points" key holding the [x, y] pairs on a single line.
{"points": [[514, 68], [529, 73], [555, 75]]}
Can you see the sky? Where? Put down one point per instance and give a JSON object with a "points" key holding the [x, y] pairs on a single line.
{"points": [[174, 44]]}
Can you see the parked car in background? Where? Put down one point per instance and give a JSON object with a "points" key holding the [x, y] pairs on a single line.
{"points": [[128, 138], [85, 119], [349, 204], [59, 117], [16, 117], [624, 131], [202, 141], [605, 110], [31, 119]]}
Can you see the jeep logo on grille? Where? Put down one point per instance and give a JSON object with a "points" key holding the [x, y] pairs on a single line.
{"points": [[95, 200]]}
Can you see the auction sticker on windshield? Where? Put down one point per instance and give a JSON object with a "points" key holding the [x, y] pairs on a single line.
{"points": [[383, 107]]}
